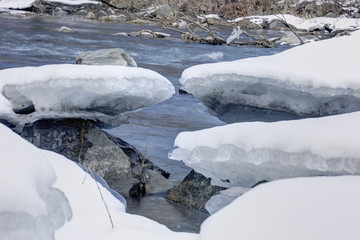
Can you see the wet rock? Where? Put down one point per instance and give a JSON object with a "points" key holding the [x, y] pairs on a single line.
{"points": [[112, 56], [90, 15], [278, 24], [65, 29], [113, 159], [113, 18], [290, 39], [194, 191]]}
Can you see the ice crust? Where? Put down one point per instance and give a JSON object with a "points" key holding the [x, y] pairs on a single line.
{"points": [[245, 153], [303, 208], [78, 91], [30, 206], [315, 79]]}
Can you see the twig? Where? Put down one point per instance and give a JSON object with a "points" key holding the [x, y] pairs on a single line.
{"points": [[102, 197]]}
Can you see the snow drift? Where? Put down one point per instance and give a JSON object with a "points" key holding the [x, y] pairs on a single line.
{"points": [[246, 153], [315, 79], [305, 208]]}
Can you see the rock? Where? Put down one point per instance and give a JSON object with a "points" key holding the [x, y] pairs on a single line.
{"points": [[316, 28], [113, 18], [65, 29], [224, 198], [90, 15], [113, 159], [162, 35], [290, 39], [194, 191], [277, 24], [111, 56], [139, 22]]}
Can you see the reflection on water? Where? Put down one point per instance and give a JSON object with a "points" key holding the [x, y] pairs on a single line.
{"points": [[34, 41]]}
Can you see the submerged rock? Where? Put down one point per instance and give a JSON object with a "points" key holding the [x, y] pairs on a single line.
{"points": [[194, 191], [111, 56], [121, 165]]}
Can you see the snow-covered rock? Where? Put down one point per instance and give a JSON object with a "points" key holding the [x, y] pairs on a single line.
{"points": [[246, 153], [82, 91], [40, 190], [314, 79], [111, 56], [304, 208]]}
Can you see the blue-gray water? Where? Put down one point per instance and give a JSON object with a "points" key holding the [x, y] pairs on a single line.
{"points": [[34, 41]]}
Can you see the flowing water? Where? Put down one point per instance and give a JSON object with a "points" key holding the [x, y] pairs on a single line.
{"points": [[34, 41]]}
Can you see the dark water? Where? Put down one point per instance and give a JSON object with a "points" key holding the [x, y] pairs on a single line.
{"points": [[34, 41]]}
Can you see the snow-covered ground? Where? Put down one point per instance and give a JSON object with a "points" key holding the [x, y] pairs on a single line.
{"points": [[43, 197], [246, 153], [340, 23], [68, 90], [314, 79], [304, 208], [21, 4]]}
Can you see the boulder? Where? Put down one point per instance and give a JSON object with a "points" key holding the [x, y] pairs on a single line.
{"points": [[290, 39], [194, 191], [120, 164], [111, 56]]}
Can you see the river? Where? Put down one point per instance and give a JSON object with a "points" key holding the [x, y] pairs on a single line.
{"points": [[34, 41]]}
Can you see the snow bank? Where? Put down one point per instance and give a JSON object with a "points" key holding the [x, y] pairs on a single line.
{"points": [[16, 4], [74, 2], [30, 206], [340, 23], [305, 208], [315, 79], [78, 91], [246, 153], [40, 190], [21, 4]]}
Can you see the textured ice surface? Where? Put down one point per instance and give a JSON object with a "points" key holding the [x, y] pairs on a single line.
{"points": [[224, 198], [245, 153], [304, 208], [30, 207], [315, 79], [78, 91]]}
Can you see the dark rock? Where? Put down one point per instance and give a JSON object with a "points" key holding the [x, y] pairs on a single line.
{"points": [[194, 191], [259, 182], [278, 24], [111, 56], [83, 142]]}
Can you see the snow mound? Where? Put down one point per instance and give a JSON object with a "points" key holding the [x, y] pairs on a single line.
{"points": [[30, 206], [40, 190], [246, 153], [22, 4], [315, 79], [78, 91], [305, 208], [341, 23]]}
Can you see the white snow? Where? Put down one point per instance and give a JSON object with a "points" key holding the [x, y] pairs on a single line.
{"points": [[30, 207], [78, 91], [16, 4], [339, 23], [21, 4], [74, 2], [246, 153], [317, 78], [305, 208], [40, 190]]}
